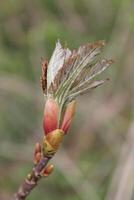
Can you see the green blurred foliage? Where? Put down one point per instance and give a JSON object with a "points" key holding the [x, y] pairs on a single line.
{"points": [[28, 31]]}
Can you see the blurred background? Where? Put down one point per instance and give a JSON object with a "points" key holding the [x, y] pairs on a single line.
{"points": [[96, 160]]}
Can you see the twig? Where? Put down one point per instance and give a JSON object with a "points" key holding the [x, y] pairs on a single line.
{"points": [[31, 180]]}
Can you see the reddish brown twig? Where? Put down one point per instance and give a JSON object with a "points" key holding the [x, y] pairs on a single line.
{"points": [[31, 180]]}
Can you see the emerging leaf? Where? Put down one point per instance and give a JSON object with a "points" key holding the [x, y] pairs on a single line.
{"points": [[57, 60], [68, 75]]}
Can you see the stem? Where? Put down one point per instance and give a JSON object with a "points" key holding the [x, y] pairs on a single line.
{"points": [[31, 180]]}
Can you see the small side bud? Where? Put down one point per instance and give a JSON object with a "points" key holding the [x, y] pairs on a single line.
{"points": [[29, 177], [37, 147], [68, 115], [48, 170], [37, 153], [50, 121], [37, 158]]}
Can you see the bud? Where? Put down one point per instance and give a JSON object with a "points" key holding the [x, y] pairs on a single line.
{"points": [[37, 153], [68, 115], [50, 121], [37, 158], [52, 142], [37, 148], [48, 170]]}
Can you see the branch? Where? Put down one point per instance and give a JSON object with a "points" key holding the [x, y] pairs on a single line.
{"points": [[31, 180], [42, 154]]}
